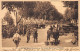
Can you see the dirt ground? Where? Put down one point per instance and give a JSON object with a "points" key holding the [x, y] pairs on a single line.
{"points": [[65, 41]]}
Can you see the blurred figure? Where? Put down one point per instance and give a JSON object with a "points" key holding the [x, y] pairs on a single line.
{"points": [[35, 35], [16, 38], [48, 34], [56, 34], [74, 39], [51, 28], [28, 35]]}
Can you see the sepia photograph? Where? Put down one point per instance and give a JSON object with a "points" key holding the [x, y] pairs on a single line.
{"points": [[39, 23]]}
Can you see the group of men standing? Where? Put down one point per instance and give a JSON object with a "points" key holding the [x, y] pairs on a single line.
{"points": [[53, 31], [35, 35]]}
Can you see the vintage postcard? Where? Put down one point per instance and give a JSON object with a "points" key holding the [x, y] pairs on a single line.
{"points": [[39, 25]]}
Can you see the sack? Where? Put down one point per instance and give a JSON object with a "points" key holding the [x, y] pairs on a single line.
{"points": [[17, 38]]}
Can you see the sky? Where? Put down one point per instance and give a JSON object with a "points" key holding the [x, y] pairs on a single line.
{"points": [[59, 6]]}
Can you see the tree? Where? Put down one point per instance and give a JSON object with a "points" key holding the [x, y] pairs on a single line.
{"points": [[11, 4], [38, 9], [71, 4], [46, 10], [9, 19], [28, 8], [72, 10]]}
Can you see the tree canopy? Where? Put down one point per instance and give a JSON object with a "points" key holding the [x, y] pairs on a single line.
{"points": [[72, 10], [8, 18], [41, 10]]}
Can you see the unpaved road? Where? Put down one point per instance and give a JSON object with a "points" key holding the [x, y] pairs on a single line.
{"points": [[65, 41]]}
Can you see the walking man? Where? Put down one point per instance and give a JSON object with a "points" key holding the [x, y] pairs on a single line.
{"points": [[16, 38]]}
